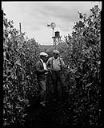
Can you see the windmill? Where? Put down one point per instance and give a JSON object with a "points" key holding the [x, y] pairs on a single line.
{"points": [[55, 35], [52, 25]]}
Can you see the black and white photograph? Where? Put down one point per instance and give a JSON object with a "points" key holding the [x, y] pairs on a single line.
{"points": [[52, 64]]}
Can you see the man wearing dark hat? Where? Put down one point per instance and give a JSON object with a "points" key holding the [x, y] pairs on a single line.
{"points": [[41, 69], [56, 64]]}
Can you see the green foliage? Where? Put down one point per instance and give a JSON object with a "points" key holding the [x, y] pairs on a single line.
{"points": [[19, 58], [84, 59]]}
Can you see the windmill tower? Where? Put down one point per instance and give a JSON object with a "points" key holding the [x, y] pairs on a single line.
{"points": [[55, 35], [52, 25]]}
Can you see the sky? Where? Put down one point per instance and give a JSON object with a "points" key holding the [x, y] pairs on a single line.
{"points": [[34, 17]]}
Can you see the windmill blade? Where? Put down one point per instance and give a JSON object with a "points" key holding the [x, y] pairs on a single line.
{"points": [[53, 25], [48, 25]]}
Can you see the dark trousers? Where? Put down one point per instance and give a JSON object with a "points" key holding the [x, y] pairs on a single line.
{"points": [[58, 84], [42, 89]]}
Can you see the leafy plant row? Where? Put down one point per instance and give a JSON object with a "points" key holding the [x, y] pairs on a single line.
{"points": [[83, 76]]}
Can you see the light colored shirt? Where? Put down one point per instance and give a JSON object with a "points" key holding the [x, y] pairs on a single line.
{"points": [[44, 64], [56, 63]]}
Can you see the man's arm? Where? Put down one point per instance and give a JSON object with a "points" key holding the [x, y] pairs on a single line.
{"points": [[62, 63], [48, 63], [38, 69]]}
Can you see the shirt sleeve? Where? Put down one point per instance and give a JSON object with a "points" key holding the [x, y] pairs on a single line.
{"points": [[49, 63], [38, 69], [62, 62]]}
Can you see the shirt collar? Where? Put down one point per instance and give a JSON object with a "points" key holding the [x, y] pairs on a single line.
{"points": [[56, 59], [42, 61]]}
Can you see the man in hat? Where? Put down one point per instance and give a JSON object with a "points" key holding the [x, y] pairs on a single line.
{"points": [[56, 64], [41, 70]]}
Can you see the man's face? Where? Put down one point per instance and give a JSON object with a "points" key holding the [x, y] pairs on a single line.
{"points": [[44, 58], [55, 55]]}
